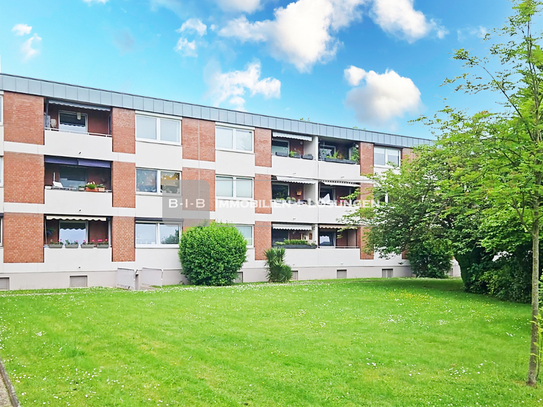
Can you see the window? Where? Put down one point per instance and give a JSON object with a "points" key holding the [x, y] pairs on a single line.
{"points": [[158, 129], [73, 231], [280, 146], [1, 170], [247, 232], [386, 156], [229, 138], [72, 177], [1, 109], [327, 238], [149, 181], [72, 122], [326, 151], [233, 187], [157, 234], [280, 191]]}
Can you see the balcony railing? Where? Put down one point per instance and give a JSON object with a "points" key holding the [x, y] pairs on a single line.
{"points": [[64, 130]]}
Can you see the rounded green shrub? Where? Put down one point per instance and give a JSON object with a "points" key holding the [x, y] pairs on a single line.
{"points": [[212, 255], [278, 271]]}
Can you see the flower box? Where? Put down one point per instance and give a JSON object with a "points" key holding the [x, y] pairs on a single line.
{"points": [[55, 245], [72, 245], [102, 245], [90, 189], [87, 246], [307, 156]]}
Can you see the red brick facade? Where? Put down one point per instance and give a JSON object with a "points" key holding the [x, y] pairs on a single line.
{"points": [[366, 158], [363, 236], [123, 181], [263, 157], [407, 153], [203, 175], [23, 118], [263, 193], [198, 139], [123, 130], [23, 178], [23, 238], [123, 238], [263, 239]]}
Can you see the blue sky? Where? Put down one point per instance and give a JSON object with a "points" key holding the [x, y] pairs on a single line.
{"points": [[374, 64]]}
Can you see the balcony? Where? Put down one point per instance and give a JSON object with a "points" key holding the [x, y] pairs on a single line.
{"points": [[334, 213], [323, 257], [294, 167], [78, 259]]}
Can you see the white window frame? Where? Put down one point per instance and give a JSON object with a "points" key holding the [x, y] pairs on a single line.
{"points": [[158, 178], [386, 151], [158, 121], [234, 128], [67, 127], [86, 222], [158, 245], [252, 245], [1, 108], [234, 187]]}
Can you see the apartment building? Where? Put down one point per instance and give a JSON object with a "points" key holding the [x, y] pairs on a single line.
{"points": [[84, 173]]}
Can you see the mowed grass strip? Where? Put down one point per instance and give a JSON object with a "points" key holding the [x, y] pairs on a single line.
{"points": [[333, 343]]}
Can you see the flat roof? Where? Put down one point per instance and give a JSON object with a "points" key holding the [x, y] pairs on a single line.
{"points": [[49, 89]]}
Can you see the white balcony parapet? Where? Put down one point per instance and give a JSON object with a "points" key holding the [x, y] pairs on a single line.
{"points": [[78, 202], [294, 167], [78, 259], [339, 171], [80, 145]]}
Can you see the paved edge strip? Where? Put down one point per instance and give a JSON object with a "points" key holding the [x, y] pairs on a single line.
{"points": [[9, 386]]}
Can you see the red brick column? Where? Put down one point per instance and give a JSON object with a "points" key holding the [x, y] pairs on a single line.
{"points": [[362, 232], [23, 118], [202, 175], [263, 193], [23, 237], [407, 153], [123, 238], [366, 158], [263, 157], [123, 184], [24, 176], [366, 199], [263, 239], [194, 130], [123, 130]]}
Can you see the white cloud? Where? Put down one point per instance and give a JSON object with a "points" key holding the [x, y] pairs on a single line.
{"points": [[464, 33], [301, 33], [398, 17], [243, 6], [383, 98], [354, 75], [173, 5], [193, 25], [21, 29], [95, 1], [231, 86], [27, 49], [186, 48]]}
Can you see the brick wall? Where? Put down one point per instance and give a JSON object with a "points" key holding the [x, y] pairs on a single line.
{"points": [[23, 238], [263, 193], [194, 130], [363, 231], [263, 156], [123, 238], [23, 118], [204, 175], [366, 158], [23, 178], [123, 130], [263, 239], [123, 183]]}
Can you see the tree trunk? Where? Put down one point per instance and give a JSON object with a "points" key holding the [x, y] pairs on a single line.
{"points": [[534, 340]]}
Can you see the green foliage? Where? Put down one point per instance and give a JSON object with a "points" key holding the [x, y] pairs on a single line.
{"points": [[430, 258], [212, 255], [294, 242], [278, 271]]}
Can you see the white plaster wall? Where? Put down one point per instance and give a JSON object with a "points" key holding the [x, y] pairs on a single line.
{"points": [[294, 213], [148, 206], [82, 203], [77, 259], [294, 167], [332, 213], [159, 156], [235, 211], [339, 172], [234, 163], [163, 258]]}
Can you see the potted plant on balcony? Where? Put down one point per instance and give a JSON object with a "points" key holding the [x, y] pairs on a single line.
{"points": [[291, 200], [296, 244], [81, 187], [55, 244], [307, 156], [87, 245], [100, 188], [71, 245], [294, 154], [90, 186], [103, 244]]}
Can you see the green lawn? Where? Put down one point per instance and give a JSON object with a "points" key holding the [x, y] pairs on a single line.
{"points": [[331, 343]]}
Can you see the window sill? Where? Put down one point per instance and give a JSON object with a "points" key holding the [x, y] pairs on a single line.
{"points": [[157, 246], [166, 143], [229, 198], [234, 151]]}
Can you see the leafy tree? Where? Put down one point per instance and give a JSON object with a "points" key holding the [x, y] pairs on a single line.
{"points": [[212, 255]]}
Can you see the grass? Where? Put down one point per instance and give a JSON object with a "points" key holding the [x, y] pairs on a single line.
{"points": [[333, 343]]}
